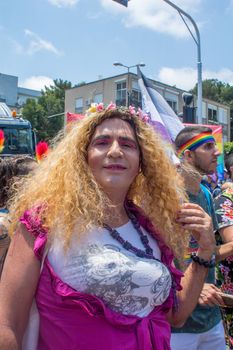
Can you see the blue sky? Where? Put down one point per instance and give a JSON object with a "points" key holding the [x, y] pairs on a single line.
{"points": [[78, 40]]}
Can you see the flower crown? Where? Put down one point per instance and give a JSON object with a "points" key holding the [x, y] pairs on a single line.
{"points": [[99, 107]]}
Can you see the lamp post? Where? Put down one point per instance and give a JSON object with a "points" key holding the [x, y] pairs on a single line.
{"points": [[198, 43], [128, 70], [199, 63]]}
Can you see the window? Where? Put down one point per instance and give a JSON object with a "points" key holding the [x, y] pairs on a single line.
{"points": [[121, 93], [222, 115], [98, 98], [79, 105], [17, 141], [135, 95], [212, 114], [136, 98], [173, 105], [172, 99]]}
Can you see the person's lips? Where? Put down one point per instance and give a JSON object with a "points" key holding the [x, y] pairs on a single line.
{"points": [[115, 167]]}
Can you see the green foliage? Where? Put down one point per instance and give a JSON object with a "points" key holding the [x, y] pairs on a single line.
{"points": [[52, 101], [228, 147], [215, 90], [218, 91]]}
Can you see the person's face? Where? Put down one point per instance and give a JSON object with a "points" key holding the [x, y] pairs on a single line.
{"points": [[114, 156], [204, 158]]}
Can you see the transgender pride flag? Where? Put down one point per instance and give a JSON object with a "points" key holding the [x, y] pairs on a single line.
{"points": [[163, 118]]}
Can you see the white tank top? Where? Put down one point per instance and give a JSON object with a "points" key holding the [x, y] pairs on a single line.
{"points": [[97, 264]]}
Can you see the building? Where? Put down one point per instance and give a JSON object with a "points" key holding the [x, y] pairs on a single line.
{"points": [[123, 90], [13, 95]]}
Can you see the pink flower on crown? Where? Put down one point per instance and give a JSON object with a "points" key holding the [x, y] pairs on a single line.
{"points": [[132, 110], [143, 116], [100, 107], [111, 106], [140, 113]]}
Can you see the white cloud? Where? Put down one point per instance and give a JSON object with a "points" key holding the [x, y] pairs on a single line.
{"points": [[186, 77], [155, 15], [38, 44], [63, 3], [37, 82]]}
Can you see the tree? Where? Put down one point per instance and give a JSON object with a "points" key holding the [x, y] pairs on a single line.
{"points": [[211, 89], [218, 91], [52, 101], [228, 147], [35, 113]]}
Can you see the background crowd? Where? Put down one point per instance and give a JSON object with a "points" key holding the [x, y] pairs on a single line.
{"points": [[112, 244]]}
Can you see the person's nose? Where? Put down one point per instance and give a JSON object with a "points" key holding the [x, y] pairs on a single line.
{"points": [[216, 151], [115, 150]]}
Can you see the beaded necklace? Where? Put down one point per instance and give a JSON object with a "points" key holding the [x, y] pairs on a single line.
{"points": [[148, 253]]}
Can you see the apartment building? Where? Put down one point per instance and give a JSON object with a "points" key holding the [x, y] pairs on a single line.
{"points": [[13, 95], [123, 90]]}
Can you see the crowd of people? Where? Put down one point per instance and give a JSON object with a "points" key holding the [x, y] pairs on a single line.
{"points": [[113, 247]]}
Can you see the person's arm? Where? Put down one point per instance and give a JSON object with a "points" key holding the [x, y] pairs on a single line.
{"points": [[17, 288], [198, 222], [224, 208], [4, 240], [210, 294], [224, 250]]}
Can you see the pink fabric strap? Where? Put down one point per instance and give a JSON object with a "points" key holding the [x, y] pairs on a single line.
{"points": [[30, 219]]}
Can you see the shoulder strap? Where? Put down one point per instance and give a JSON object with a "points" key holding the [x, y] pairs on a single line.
{"points": [[207, 196]]}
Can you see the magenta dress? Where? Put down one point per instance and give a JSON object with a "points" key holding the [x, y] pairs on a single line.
{"points": [[78, 321]]}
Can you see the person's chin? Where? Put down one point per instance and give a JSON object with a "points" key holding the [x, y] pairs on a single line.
{"points": [[212, 169], [113, 182]]}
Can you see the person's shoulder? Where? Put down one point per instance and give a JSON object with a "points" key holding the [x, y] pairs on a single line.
{"points": [[206, 194], [226, 193], [205, 190]]}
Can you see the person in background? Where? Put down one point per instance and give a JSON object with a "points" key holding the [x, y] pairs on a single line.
{"points": [[100, 222], [229, 172], [211, 183], [224, 212], [11, 171], [203, 330]]}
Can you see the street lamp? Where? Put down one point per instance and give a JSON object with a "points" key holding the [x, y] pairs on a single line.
{"points": [[199, 64], [128, 68], [198, 43]]}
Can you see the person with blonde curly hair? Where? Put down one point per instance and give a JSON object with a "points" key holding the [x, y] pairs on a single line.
{"points": [[100, 223]]}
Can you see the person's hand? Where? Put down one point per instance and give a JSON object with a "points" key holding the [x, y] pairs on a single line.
{"points": [[194, 219], [210, 296]]}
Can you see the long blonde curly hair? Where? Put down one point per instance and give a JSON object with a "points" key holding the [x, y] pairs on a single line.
{"points": [[68, 194]]}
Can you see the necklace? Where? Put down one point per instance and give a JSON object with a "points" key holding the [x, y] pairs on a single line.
{"points": [[148, 253]]}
